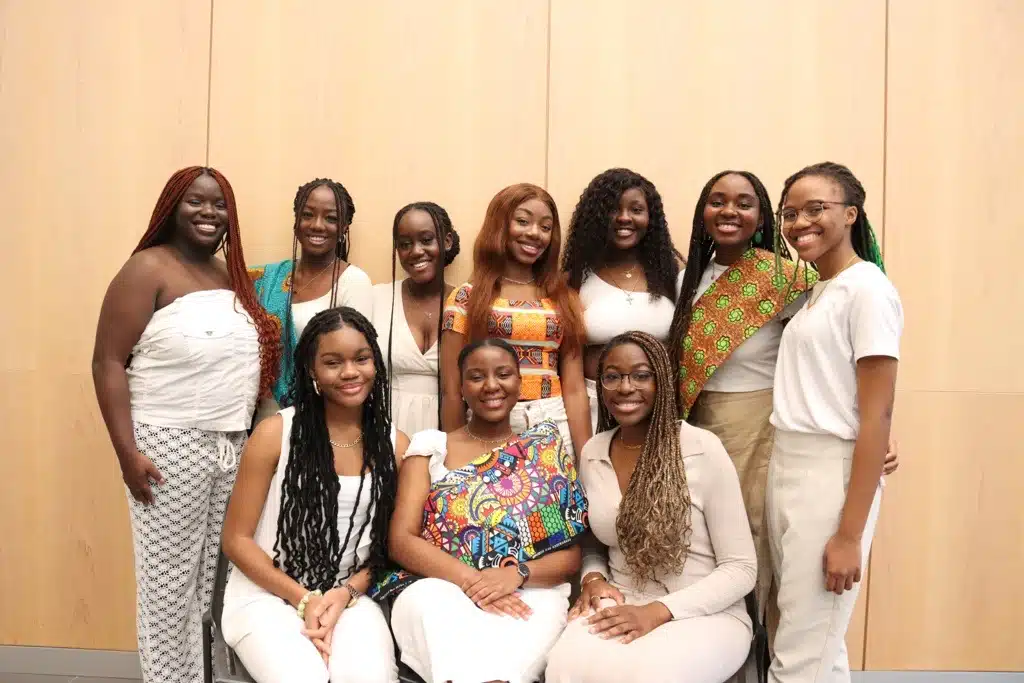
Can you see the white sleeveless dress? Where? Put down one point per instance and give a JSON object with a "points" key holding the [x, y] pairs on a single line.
{"points": [[414, 396], [266, 632]]}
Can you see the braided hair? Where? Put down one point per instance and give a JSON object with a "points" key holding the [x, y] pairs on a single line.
{"points": [[309, 547], [346, 210], [587, 248], [443, 228], [653, 523], [865, 244], [161, 230], [767, 235]]}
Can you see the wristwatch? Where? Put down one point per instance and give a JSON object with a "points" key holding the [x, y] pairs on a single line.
{"points": [[524, 573]]}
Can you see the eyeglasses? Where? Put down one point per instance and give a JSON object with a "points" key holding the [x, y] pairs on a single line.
{"points": [[811, 211], [612, 380]]}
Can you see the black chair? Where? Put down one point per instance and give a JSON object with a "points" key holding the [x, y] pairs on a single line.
{"points": [[405, 674], [220, 663], [759, 647]]}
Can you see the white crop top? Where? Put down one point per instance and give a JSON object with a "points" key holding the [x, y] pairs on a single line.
{"points": [[608, 311], [857, 314], [751, 367], [197, 365]]}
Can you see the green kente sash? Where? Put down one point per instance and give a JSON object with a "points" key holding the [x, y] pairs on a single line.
{"points": [[730, 311]]}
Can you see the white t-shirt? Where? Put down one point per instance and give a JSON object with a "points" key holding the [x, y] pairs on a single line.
{"points": [[858, 315], [751, 366], [354, 291], [609, 311]]}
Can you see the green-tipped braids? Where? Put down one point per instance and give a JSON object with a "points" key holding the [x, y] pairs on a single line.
{"points": [[863, 237]]}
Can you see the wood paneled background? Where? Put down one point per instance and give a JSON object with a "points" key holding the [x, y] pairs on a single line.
{"points": [[452, 100]]}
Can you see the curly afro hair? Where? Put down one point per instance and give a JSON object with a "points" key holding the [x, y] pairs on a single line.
{"points": [[587, 244]]}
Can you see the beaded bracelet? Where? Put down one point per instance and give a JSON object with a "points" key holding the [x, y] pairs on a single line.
{"points": [[301, 609]]}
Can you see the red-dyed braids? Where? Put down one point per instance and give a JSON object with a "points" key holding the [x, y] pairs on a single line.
{"points": [[161, 226]]}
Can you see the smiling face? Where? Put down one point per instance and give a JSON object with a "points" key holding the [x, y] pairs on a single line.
{"points": [[201, 218], [829, 229], [628, 384], [343, 367], [418, 248], [628, 224], [319, 223], [732, 213], [490, 383], [529, 231]]}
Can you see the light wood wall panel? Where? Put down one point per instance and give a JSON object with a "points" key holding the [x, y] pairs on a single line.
{"points": [[399, 100], [678, 91], [949, 551], [948, 555], [955, 169], [99, 103]]}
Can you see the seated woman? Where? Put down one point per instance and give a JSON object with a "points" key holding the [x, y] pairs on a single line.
{"points": [[308, 519], [407, 313], [490, 520], [663, 588]]}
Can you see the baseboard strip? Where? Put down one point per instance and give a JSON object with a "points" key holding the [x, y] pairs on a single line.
{"points": [[65, 661], [61, 661], [937, 677]]}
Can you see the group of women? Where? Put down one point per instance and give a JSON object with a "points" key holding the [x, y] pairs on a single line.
{"points": [[443, 467]]}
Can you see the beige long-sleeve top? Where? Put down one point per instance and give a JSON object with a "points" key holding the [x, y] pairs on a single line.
{"points": [[720, 566]]}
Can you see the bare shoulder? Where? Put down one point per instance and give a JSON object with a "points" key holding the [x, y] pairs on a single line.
{"points": [[146, 265], [264, 444], [401, 446], [222, 268]]}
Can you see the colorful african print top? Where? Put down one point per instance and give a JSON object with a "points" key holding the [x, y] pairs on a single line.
{"points": [[273, 284], [516, 502], [533, 328], [746, 296]]}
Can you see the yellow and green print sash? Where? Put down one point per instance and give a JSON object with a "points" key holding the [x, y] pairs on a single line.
{"points": [[730, 311]]}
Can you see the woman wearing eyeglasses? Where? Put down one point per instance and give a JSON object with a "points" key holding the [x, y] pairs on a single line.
{"points": [[664, 582], [834, 389], [740, 287]]}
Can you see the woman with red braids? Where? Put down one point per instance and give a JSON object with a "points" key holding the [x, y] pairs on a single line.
{"points": [[183, 351]]}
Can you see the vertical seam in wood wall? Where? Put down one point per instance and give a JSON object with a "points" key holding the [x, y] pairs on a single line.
{"points": [[885, 231], [547, 101], [209, 84], [885, 128]]}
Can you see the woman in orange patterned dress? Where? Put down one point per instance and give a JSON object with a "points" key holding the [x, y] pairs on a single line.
{"points": [[517, 293]]}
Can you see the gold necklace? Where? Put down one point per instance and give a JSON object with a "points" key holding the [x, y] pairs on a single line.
{"points": [[407, 289], [824, 286], [346, 445], [632, 290], [519, 282], [307, 283], [629, 447], [483, 440]]}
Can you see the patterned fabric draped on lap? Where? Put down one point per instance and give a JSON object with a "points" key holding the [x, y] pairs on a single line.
{"points": [[516, 502]]}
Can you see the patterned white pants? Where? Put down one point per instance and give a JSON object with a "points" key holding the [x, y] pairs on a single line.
{"points": [[176, 541]]}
